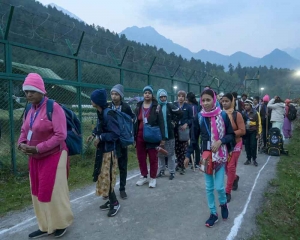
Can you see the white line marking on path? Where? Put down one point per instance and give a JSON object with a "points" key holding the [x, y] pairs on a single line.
{"points": [[239, 219], [72, 201]]}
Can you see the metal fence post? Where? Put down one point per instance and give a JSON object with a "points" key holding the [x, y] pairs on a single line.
{"points": [[8, 69], [79, 80], [11, 12], [121, 76]]}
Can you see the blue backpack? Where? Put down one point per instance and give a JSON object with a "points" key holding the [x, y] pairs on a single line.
{"points": [[74, 137], [126, 127]]}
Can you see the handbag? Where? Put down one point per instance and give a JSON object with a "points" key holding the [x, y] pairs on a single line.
{"points": [[206, 164], [184, 135], [151, 134]]}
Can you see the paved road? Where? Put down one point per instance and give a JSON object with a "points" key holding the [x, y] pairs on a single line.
{"points": [[174, 210]]}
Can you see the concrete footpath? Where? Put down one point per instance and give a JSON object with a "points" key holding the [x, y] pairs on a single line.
{"points": [[174, 210]]}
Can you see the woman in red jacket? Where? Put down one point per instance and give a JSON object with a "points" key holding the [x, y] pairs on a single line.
{"points": [[239, 129]]}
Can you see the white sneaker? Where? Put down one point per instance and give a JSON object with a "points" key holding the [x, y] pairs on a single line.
{"points": [[142, 181], [152, 183]]}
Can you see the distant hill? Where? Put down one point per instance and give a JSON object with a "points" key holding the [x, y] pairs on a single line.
{"points": [[294, 52], [148, 35], [65, 11], [277, 58]]}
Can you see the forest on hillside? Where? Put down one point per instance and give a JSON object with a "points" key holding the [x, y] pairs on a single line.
{"points": [[47, 28]]}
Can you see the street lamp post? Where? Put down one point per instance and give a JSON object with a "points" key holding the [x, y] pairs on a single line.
{"points": [[261, 90], [174, 95]]}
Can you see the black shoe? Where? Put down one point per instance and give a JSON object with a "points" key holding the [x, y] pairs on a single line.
{"points": [[114, 210], [172, 175], [235, 184], [105, 206], [60, 232], [247, 162], [228, 196], [177, 169], [161, 174], [224, 211], [123, 194], [255, 163], [37, 234], [182, 171]]}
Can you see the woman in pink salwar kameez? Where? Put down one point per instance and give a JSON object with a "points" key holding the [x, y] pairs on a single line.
{"points": [[44, 143]]}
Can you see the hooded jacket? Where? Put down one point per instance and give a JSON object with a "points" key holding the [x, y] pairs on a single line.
{"points": [[278, 111], [155, 119]]}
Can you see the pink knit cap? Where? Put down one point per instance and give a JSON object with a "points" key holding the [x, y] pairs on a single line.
{"points": [[287, 101], [266, 98], [34, 82]]}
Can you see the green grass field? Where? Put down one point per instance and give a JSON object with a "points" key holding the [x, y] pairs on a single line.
{"points": [[280, 215], [15, 191]]}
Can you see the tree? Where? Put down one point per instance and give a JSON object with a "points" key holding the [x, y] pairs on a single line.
{"points": [[231, 69]]}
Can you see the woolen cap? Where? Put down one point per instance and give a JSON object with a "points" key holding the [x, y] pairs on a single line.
{"points": [[119, 89], [99, 97], [34, 82]]}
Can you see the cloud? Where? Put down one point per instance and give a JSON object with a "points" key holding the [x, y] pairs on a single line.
{"points": [[191, 12], [255, 27]]}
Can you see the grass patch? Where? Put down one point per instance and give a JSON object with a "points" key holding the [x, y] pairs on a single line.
{"points": [[15, 190], [280, 216]]}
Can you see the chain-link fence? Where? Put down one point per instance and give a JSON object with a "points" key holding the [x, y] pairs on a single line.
{"points": [[73, 63]]}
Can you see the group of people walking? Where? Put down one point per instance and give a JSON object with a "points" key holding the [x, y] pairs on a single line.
{"points": [[183, 126]]}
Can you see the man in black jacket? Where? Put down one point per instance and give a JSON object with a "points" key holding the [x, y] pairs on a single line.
{"points": [[117, 104]]}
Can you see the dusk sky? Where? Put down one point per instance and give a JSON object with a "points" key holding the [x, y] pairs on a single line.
{"points": [[256, 27]]}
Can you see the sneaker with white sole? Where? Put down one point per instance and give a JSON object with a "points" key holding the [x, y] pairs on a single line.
{"points": [[60, 232], [142, 181], [213, 218], [152, 183], [114, 208]]}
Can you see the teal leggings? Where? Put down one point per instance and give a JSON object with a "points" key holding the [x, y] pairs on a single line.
{"points": [[212, 182]]}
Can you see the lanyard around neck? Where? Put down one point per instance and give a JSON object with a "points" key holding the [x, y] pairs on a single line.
{"points": [[34, 115], [146, 112]]}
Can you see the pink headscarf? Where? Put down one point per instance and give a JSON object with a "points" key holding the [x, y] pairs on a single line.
{"points": [[218, 130]]}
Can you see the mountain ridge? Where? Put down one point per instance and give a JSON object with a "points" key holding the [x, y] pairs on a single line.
{"points": [[148, 35], [65, 11]]}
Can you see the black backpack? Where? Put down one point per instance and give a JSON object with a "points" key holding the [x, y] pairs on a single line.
{"points": [[274, 142], [234, 116], [292, 113]]}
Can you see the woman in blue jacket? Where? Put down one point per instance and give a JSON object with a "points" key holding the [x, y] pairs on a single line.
{"points": [[217, 137]]}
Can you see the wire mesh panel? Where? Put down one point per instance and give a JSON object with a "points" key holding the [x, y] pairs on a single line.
{"points": [[96, 74], [2, 58], [180, 86], [158, 83], [47, 65], [134, 80], [195, 89], [11, 112]]}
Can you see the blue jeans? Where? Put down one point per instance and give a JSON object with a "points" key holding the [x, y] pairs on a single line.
{"points": [[217, 183]]}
